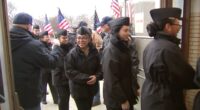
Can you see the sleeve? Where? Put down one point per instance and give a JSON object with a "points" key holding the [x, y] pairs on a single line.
{"points": [[99, 69], [59, 67], [43, 58], [72, 73], [180, 72], [135, 65], [111, 76]]}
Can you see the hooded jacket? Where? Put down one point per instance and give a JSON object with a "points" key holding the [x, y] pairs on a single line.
{"points": [[29, 57]]}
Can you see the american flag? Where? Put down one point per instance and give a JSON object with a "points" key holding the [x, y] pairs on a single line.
{"points": [[47, 26], [116, 8], [130, 11], [62, 22], [96, 22]]}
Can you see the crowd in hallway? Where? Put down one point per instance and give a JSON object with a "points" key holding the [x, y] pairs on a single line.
{"points": [[72, 62]]}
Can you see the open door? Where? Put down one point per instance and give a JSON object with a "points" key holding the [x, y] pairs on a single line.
{"points": [[7, 95]]}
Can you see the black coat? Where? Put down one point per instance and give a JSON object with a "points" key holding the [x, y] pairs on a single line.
{"points": [[46, 72], [29, 56], [58, 75], [78, 69], [167, 75], [118, 78], [134, 63]]}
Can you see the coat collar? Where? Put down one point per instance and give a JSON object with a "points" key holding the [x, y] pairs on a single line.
{"points": [[92, 49], [66, 47], [163, 35], [121, 45]]}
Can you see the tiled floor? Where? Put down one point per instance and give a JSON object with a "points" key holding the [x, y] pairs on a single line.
{"points": [[51, 106]]}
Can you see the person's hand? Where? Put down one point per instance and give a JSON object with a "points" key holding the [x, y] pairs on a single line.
{"points": [[92, 80], [125, 105], [56, 42]]}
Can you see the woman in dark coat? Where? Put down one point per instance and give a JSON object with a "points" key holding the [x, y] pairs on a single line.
{"points": [[119, 85], [59, 79], [83, 70], [167, 72]]}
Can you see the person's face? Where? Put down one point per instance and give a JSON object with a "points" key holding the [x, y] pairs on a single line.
{"points": [[124, 33], [83, 41], [46, 39], [36, 31], [63, 39], [29, 27], [174, 28], [106, 28]]}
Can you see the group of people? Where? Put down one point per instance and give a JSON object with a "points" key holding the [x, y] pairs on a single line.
{"points": [[76, 62]]}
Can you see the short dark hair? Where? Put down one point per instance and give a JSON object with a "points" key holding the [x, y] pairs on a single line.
{"points": [[62, 32], [42, 34], [36, 26]]}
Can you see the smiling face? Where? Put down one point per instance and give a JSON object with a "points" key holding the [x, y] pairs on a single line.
{"points": [[46, 38], [63, 39], [83, 41], [36, 31]]}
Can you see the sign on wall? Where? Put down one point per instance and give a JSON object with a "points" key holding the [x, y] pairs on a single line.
{"points": [[139, 22]]}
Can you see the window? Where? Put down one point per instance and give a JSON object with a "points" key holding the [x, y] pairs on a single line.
{"points": [[138, 11]]}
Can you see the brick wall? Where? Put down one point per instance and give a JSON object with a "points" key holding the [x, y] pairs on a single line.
{"points": [[194, 41]]}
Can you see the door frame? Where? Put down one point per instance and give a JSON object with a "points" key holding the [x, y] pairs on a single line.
{"points": [[11, 100], [185, 24]]}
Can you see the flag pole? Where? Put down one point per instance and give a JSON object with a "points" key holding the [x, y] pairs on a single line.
{"points": [[125, 7]]}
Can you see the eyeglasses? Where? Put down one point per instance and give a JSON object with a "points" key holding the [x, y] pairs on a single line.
{"points": [[83, 38], [177, 25]]}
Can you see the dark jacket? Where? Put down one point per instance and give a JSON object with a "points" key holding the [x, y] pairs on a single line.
{"points": [[79, 68], [134, 63], [117, 72], [46, 72], [58, 75], [167, 75], [29, 56]]}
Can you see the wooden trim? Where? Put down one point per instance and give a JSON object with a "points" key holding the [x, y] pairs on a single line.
{"points": [[185, 23], [186, 28], [12, 100], [9, 102]]}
